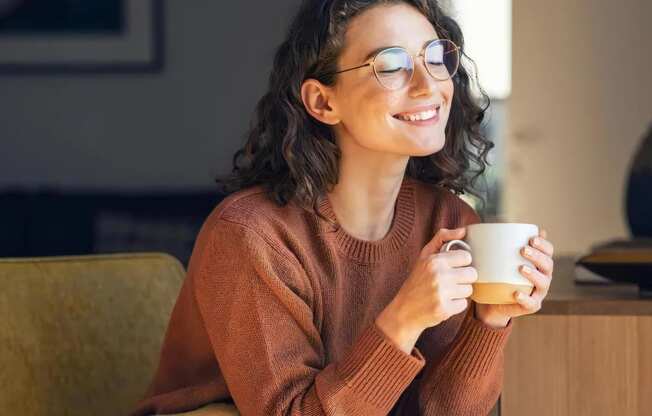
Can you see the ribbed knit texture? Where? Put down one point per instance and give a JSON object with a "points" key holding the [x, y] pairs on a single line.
{"points": [[277, 314]]}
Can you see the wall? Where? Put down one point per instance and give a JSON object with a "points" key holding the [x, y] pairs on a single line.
{"points": [[581, 100], [173, 129]]}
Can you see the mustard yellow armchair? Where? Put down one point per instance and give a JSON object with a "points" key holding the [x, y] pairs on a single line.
{"points": [[81, 335]]}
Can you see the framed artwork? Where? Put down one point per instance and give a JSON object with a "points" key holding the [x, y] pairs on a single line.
{"points": [[63, 36]]}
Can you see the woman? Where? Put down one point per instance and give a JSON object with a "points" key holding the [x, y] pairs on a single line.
{"points": [[317, 287]]}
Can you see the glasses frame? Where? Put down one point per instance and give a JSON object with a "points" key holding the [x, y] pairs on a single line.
{"points": [[421, 54]]}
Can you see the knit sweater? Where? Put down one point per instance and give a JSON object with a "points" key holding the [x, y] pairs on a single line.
{"points": [[277, 313]]}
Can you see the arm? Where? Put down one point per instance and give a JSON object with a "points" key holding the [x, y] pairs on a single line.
{"points": [[466, 377], [257, 305]]}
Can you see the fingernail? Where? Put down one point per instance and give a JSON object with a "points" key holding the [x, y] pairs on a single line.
{"points": [[526, 270], [527, 251], [519, 295]]}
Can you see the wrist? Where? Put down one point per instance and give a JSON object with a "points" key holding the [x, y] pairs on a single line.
{"points": [[492, 320], [389, 322]]}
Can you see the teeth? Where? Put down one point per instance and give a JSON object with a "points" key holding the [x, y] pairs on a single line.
{"points": [[424, 115]]}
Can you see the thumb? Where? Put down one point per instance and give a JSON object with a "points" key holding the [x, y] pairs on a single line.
{"points": [[441, 237]]}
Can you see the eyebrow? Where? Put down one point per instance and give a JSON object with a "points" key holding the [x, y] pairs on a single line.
{"points": [[375, 51]]}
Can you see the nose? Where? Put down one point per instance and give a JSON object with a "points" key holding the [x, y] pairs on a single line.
{"points": [[422, 83]]}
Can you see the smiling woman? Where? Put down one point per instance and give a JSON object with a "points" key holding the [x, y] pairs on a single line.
{"points": [[295, 153], [317, 287]]}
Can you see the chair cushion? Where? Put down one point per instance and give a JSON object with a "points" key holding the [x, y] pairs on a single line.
{"points": [[82, 334]]}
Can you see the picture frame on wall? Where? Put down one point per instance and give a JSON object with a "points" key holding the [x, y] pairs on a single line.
{"points": [[81, 36]]}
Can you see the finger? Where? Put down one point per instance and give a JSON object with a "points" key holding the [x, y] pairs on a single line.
{"points": [[543, 233], [440, 238], [540, 260], [453, 258], [461, 291], [541, 281], [465, 275], [543, 245], [531, 303]]}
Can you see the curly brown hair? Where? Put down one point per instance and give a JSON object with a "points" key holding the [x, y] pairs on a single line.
{"points": [[294, 156]]}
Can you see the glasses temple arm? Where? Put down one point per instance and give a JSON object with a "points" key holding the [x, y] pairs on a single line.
{"points": [[351, 69]]}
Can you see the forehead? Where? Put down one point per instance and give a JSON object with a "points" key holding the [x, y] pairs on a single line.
{"points": [[386, 25]]}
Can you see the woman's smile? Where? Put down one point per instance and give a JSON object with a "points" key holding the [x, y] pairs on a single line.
{"points": [[421, 116]]}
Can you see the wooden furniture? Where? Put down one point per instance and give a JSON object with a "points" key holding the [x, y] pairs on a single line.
{"points": [[588, 351]]}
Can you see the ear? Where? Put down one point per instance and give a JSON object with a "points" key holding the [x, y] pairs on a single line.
{"points": [[318, 101]]}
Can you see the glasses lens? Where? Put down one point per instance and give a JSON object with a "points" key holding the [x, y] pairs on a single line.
{"points": [[442, 59], [393, 68]]}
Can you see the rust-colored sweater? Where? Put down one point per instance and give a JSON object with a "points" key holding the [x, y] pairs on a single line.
{"points": [[277, 314]]}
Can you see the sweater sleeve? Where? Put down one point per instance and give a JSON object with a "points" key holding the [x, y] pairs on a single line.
{"points": [[467, 378], [257, 306]]}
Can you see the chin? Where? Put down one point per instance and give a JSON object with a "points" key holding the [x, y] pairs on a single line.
{"points": [[432, 146]]}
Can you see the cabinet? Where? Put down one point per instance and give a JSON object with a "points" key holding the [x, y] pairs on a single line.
{"points": [[588, 351]]}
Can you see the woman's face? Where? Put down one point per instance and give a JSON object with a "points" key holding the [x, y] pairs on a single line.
{"points": [[368, 112]]}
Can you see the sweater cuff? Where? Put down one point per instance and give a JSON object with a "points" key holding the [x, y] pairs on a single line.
{"points": [[477, 347], [378, 369]]}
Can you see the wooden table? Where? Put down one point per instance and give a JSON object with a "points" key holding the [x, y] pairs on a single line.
{"points": [[588, 351]]}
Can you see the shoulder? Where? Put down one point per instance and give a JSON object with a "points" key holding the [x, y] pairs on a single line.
{"points": [[446, 208], [253, 207], [252, 214], [247, 232]]}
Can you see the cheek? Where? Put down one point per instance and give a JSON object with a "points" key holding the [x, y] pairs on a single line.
{"points": [[370, 110], [448, 91]]}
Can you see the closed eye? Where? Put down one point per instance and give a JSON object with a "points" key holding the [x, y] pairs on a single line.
{"points": [[390, 71]]}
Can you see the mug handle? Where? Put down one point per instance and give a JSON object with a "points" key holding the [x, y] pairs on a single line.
{"points": [[448, 245]]}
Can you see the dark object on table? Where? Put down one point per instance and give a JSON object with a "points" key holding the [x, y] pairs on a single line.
{"points": [[57, 223], [639, 190], [625, 261]]}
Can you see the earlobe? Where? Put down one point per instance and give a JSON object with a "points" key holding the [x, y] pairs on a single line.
{"points": [[317, 101]]}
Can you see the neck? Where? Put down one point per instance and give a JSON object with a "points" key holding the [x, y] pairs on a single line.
{"points": [[364, 202]]}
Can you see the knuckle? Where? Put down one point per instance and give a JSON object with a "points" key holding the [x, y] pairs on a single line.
{"points": [[468, 258], [468, 290], [434, 264], [536, 255], [474, 273], [434, 284], [435, 288], [436, 291], [545, 283]]}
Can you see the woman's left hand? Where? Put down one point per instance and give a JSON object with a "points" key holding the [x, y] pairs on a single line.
{"points": [[540, 255]]}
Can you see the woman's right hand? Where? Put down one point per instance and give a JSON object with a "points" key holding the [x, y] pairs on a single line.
{"points": [[436, 289]]}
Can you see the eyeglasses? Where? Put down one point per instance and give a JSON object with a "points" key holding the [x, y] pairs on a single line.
{"points": [[394, 67]]}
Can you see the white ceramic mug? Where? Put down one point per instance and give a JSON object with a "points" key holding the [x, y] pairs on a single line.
{"points": [[496, 251]]}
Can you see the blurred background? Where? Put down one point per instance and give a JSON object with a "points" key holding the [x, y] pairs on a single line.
{"points": [[117, 115]]}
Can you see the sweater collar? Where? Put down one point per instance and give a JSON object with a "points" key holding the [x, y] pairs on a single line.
{"points": [[398, 234]]}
